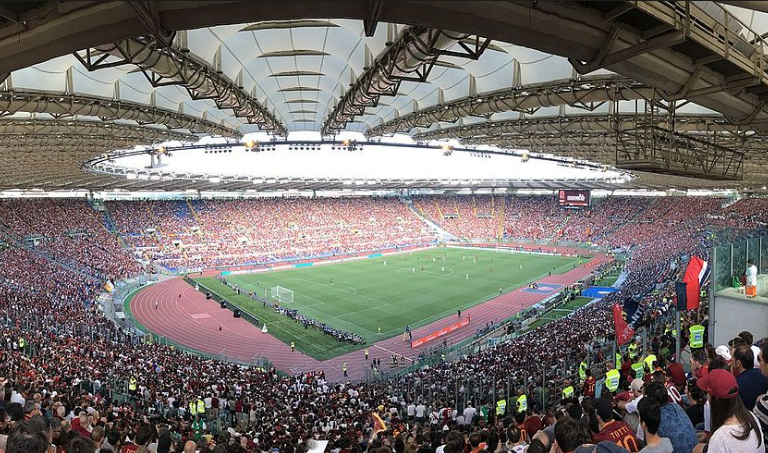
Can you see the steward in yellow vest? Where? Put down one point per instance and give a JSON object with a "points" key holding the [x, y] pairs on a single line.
{"points": [[697, 336], [649, 362], [522, 403], [501, 407], [612, 379], [568, 392], [632, 350]]}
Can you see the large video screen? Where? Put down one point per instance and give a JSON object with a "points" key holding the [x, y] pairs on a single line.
{"points": [[573, 198]]}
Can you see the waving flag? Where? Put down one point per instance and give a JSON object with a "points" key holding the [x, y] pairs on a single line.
{"points": [[378, 423], [689, 289], [627, 319]]}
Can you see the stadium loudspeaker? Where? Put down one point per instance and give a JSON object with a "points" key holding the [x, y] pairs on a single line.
{"points": [[208, 295], [223, 304], [236, 313]]}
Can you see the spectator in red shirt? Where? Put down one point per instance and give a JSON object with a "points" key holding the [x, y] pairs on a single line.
{"points": [[676, 372], [611, 430], [588, 390]]}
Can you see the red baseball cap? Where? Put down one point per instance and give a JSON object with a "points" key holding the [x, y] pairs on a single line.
{"points": [[720, 383]]}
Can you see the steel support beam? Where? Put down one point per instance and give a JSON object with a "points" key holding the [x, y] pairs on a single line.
{"points": [[37, 127], [169, 65], [410, 57], [70, 105], [587, 93]]}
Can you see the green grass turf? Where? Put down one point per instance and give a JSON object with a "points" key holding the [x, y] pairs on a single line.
{"points": [[558, 313], [367, 295]]}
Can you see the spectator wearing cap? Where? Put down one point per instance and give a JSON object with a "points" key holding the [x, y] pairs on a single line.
{"points": [[611, 430], [751, 381], [636, 388], [650, 419], [675, 424], [734, 428], [724, 352]]}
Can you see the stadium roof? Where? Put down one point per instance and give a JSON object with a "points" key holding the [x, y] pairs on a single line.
{"points": [[656, 87]]}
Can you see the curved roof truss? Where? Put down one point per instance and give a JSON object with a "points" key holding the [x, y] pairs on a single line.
{"points": [[71, 105]]}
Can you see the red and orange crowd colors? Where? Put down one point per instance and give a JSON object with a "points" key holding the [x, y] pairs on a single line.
{"points": [[222, 233], [61, 355]]}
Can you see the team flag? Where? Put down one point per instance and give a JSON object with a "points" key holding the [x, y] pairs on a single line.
{"points": [[109, 286], [627, 319], [689, 289]]}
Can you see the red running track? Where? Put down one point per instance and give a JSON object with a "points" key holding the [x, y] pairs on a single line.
{"points": [[186, 317]]}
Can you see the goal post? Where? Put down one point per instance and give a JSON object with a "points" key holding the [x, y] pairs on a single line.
{"points": [[281, 295]]}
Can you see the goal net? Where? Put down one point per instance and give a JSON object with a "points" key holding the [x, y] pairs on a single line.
{"points": [[281, 295]]}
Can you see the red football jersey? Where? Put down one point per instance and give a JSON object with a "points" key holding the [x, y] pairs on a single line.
{"points": [[619, 433]]}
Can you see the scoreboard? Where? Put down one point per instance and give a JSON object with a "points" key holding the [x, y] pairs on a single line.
{"points": [[573, 198]]}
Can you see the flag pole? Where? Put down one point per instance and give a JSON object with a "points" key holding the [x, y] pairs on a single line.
{"points": [[677, 336]]}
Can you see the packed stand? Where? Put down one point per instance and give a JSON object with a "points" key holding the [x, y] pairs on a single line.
{"points": [[201, 234], [472, 216], [68, 231]]}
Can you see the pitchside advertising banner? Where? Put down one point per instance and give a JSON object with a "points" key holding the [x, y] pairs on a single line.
{"points": [[573, 198]]}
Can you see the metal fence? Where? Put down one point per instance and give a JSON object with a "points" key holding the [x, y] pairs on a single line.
{"points": [[730, 260]]}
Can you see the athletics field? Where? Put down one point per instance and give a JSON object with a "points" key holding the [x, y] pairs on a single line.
{"points": [[368, 296]]}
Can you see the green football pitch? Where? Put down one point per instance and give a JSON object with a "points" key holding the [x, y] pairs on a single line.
{"points": [[377, 300]]}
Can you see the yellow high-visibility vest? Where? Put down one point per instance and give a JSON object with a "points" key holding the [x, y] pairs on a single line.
{"points": [[632, 350], [21, 343], [200, 406], [192, 408], [618, 361], [568, 392], [132, 385], [649, 362], [583, 371], [697, 336], [638, 367], [501, 406], [612, 379], [522, 403]]}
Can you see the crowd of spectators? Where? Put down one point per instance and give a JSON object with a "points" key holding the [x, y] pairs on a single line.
{"points": [[63, 367], [70, 232], [472, 216], [202, 234]]}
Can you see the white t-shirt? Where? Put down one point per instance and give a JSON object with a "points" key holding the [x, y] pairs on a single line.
{"points": [[752, 275], [631, 408], [469, 415], [755, 352], [420, 410], [723, 441], [411, 410]]}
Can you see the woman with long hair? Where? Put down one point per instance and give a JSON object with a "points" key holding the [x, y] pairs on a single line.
{"points": [[734, 428]]}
